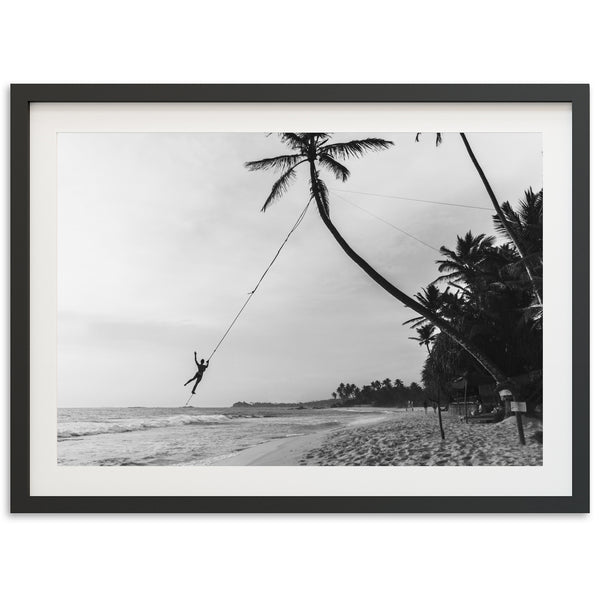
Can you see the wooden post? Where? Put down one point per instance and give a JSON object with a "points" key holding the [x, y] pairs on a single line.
{"points": [[439, 410], [520, 428], [509, 398]]}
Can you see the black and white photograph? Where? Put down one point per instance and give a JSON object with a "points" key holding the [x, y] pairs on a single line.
{"points": [[275, 319], [300, 299]]}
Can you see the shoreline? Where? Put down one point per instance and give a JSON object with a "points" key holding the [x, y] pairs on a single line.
{"points": [[291, 450], [399, 438]]}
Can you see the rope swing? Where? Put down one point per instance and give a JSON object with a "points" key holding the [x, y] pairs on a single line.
{"points": [[251, 294], [296, 225]]}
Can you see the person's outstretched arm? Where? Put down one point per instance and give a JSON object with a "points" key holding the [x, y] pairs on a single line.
{"points": [[196, 359]]}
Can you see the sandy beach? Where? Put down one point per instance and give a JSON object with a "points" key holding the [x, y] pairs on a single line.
{"points": [[398, 438]]}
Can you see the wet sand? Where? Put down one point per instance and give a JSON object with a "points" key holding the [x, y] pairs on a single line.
{"points": [[290, 451]]}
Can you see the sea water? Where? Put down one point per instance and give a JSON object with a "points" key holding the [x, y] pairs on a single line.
{"points": [[181, 436]]}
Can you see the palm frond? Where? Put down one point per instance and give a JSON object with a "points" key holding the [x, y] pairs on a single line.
{"points": [[280, 187], [320, 138], [534, 315], [285, 161], [444, 251], [450, 278], [294, 140], [415, 320], [525, 222], [532, 260], [356, 148], [438, 138], [448, 265], [339, 170], [511, 217]]}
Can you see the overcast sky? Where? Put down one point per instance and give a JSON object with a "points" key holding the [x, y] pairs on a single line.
{"points": [[161, 238]]}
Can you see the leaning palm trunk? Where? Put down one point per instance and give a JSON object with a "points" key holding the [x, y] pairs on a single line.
{"points": [[440, 323], [503, 219]]}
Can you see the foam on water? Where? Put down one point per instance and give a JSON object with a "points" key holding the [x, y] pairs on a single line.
{"points": [[161, 436], [81, 428]]}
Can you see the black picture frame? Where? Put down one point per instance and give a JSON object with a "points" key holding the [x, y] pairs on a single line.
{"points": [[22, 95]]}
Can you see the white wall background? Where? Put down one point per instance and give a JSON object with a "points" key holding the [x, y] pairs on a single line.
{"points": [[295, 556]]}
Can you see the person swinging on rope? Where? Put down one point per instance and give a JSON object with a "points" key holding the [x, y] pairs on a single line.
{"points": [[202, 366]]}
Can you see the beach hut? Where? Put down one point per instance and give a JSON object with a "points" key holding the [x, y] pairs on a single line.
{"points": [[465, 395], [470, 391]]}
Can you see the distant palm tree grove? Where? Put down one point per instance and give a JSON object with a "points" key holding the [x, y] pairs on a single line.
{"points": [[381, 393]]}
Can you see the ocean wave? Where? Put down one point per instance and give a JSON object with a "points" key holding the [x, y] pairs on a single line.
{"points": [[82, 428]]}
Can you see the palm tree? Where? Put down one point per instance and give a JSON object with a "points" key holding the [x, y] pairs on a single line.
{"points": [[426, 337], [526, 225], [525, 222], [510, 231], [494, 308], [315, 150], [501, 216], [464, 264], [432, 299]]}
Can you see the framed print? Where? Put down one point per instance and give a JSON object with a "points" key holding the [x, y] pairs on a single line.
{"points": [[300, 298]]}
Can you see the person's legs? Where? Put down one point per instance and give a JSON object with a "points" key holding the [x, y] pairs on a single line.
{"points": [[198, 379], [190, 381]]}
